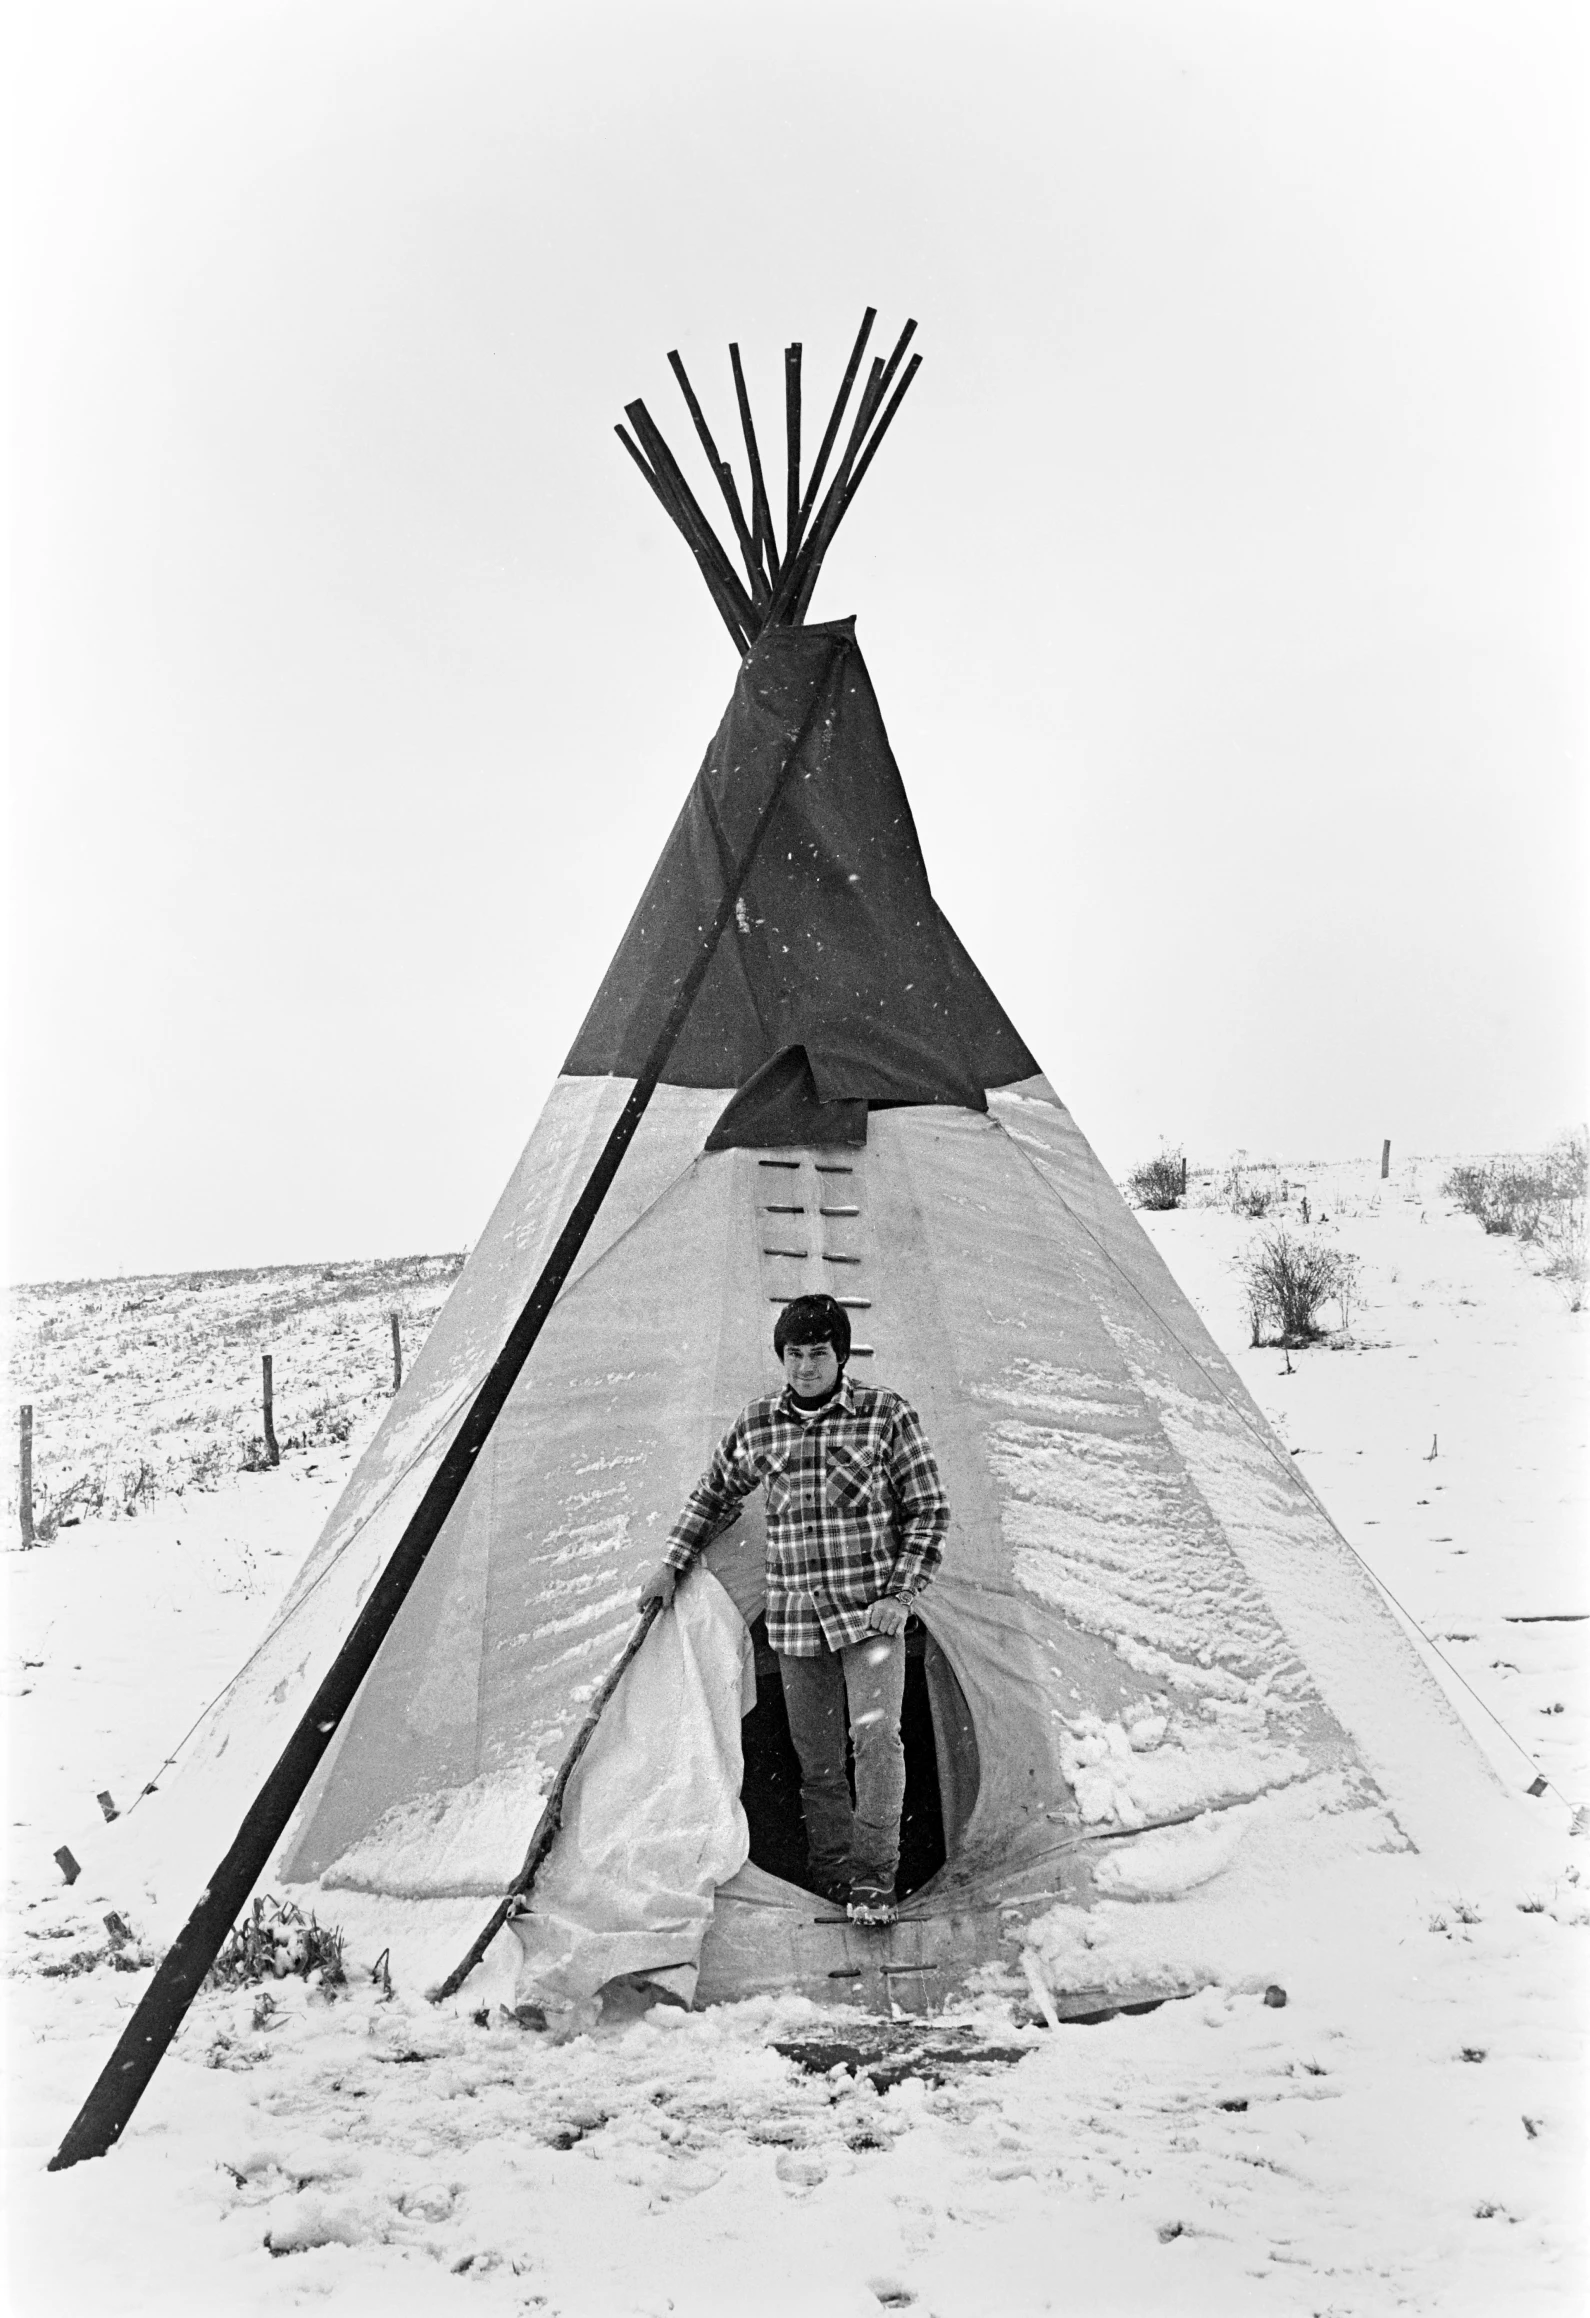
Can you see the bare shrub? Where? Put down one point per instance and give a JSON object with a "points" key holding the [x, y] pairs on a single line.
{"points": [[1516, 1201], [66, 1507], [1346, 1287], [1517, 1196], [1568, 1260], [1160, 1183], [1244, 1196], [1470, 1185], [138, 1487], [1562, 1228], [1539, 1201], [329, 1420], [1568, 1162], [1287, 1281], [207, 1467]]}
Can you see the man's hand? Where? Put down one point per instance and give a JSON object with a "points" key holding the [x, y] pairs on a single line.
{"points": [[887, 1615], [659, 1587]]}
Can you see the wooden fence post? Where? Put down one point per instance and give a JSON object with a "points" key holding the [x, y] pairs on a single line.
{"points": [[1385, 1159], [25, 1501], [397, 1354], [271, 1449]]}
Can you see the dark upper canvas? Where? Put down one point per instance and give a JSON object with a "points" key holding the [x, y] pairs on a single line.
{"points": [[839, 948]]}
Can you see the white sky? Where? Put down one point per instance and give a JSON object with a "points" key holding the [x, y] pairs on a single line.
{"points": [[1223, 578]]}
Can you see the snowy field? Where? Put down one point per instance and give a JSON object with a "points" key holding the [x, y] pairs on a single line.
{"points": [[144, 1387], [1405, 2133]]}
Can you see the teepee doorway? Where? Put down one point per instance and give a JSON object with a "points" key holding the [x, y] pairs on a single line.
{"points": [[940, 1766]]}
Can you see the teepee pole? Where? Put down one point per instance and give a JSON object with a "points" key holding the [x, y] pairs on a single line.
{"points": [[181, 1974], [750, 554], [882, 428], [761, 512], [780, 585], [704, 541], [736, 634], [795, 589], [792, 444], [814, 480]]}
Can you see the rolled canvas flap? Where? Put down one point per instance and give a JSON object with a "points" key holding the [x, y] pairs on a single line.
{"points": [[652, 1821]]}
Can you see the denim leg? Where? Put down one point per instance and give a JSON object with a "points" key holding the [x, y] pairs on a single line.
{"points": [[814, 1699], [875, 1685]]}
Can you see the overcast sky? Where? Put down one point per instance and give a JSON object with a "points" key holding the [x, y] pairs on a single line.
{"points": [[1223, 579]]}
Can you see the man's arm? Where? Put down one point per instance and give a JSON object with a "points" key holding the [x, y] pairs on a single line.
{"points": [[708, 1511], [922, 1509]]}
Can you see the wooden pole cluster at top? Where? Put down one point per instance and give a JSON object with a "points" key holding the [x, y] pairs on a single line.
{"points": [[778, 582]]}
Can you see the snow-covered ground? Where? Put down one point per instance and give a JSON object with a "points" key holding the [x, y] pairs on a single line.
{"points": [[141, 1387], [1404, 2133]]}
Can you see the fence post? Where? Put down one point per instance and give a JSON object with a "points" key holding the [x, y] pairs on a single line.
{"points": [[25, 1499], [271, 1449], [1385, 1159], [397, 1354], [1184, 1175]]}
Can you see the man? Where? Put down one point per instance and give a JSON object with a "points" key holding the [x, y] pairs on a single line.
{"points": [[856, 1516]]}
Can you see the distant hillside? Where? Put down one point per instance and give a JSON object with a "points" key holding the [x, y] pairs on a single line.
{"points": [[145, 1387], [141, 1387]]}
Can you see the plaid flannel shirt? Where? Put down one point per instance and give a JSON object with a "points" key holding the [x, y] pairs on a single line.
{"points": [[855, 1509]]}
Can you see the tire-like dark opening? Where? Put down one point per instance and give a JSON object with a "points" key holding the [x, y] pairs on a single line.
{"points": [[771, 1788]]}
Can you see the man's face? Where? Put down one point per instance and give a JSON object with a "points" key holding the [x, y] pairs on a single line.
{"points": [[812, 1370]]}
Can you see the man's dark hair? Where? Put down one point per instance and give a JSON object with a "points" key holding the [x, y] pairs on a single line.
{"points": [[813, 1320]]}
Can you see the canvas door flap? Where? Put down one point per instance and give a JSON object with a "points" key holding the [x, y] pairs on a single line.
{"points": [[652, 1821], [954, 1743]]}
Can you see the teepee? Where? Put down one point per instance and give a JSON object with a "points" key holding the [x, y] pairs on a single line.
{"points": [[1145, 1621]]}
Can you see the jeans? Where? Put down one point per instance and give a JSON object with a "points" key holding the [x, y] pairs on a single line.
{"points": [[863, 1843]]}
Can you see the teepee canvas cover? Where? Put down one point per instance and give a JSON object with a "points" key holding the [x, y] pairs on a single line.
{"points": [[1142, 1614], [1143, 1617]]}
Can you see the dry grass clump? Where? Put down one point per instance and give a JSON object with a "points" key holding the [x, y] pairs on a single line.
{"points": [[1289, 1280], [1246, 1194], [274, 1939], [1539, 1201], [1160, 1183]]}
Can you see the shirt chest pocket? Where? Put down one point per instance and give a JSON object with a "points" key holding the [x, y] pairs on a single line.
{"points": [[851, 1480]]}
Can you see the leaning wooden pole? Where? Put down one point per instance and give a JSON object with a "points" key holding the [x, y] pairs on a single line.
{"points": [[103, 2116]]}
